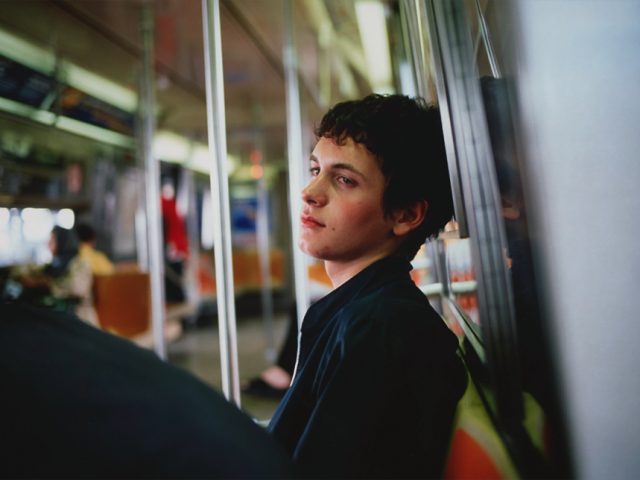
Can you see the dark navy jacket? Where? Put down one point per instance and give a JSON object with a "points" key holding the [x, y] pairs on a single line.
{"points": [[76, 402], [377, 384]]}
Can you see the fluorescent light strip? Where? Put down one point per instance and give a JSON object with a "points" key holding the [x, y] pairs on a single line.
{"points": [[199, 160], [96, 133], [167, 146], [22, 110], [171, 147], [26, 53], [66, 123], [100, 87], [41, 60], [373, 32]]}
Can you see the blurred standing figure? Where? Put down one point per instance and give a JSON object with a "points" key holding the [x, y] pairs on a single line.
{"points": [[176, 243], [63, 284], [71, 277], [100, 264]]}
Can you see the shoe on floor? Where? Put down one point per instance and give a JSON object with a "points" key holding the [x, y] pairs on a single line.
{"points": [[260, 388]]}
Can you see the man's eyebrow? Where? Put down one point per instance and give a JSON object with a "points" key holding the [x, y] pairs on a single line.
{"points": [[347, 166], [339, 166]]}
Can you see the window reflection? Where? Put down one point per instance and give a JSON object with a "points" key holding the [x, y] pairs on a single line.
{"points": [[462, 278]]}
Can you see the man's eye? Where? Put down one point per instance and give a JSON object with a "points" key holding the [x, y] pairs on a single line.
{"points": [[345, 180], [314, 171]]}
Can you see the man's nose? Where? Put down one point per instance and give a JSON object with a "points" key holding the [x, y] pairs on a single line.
{"points": [[314, 193]]}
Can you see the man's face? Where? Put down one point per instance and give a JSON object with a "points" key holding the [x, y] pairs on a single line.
{"points": [[342, 218]]}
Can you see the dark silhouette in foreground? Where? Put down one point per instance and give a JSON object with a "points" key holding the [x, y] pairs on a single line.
{"points": [[79, 402]]}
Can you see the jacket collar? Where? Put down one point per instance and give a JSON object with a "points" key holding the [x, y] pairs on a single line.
{"points": [[366, 281]]}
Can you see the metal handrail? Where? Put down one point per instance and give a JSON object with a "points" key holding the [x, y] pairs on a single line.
{"points": [[152, 186], [482, 201], [216, 128], [296, 159], [488, 43]]}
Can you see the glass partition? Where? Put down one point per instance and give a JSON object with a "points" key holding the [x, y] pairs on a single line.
{"points": [[491, 295]]}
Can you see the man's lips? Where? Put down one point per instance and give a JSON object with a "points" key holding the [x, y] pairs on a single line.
{"points": [[309, 221]]}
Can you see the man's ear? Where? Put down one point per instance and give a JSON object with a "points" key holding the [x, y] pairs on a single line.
{"points": [[410, 218]]}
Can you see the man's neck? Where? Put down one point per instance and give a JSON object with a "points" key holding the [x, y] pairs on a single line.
{"points": [[342, 272]]}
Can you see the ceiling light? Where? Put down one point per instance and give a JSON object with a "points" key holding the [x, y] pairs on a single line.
{"points": [[100, 87], [200, 160], [40, 116], [90, 131], [171, 147], [44, 61], [375, 41], [26, 53]]}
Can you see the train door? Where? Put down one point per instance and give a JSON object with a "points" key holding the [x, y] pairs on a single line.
{"points": [[486, 276], [522, 89]]}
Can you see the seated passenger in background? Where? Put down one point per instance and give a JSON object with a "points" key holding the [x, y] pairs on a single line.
{"points": [[65, 283], [176, 244], [100, 264], [80, 403], [378, 376], [274, 381]]}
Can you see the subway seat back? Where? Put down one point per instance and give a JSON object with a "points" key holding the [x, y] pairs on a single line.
{"points": [[123, 302]]}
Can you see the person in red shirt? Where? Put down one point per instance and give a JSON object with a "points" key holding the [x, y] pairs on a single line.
{"points": [[176, 244]]}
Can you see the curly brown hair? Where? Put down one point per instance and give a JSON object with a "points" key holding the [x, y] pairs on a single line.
{"points": [[405, 135]]}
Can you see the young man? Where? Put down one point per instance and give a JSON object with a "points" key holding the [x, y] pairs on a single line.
{"points": [[378, 378]]}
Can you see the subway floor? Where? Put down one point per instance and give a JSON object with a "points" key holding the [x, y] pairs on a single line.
{"points": [[198, 351]]}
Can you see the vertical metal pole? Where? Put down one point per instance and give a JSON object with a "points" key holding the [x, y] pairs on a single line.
{"points": [[152, 191], [436, 252], [142, 240], [187, 199], [220, 192], [296, 160], [417, 45], [488, 44], [424, 47], [483, 206], [426, 9], [262, 233], [440, 260], [263, 241]]}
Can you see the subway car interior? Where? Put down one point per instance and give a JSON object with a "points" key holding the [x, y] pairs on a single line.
{"points": [[179, 133]]}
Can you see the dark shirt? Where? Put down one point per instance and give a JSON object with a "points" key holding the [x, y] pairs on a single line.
{"points": [[78, 402], [377, 384]]}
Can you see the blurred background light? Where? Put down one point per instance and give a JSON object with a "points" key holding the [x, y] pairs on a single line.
{"points": [[171, 147], [372, 24], [4, 218], [66, 218], [96, 133], [26, 53], [37, 224], [100, 87]]}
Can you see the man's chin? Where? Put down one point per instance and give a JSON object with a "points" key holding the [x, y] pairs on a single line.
{"points": [[309, 250]]}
